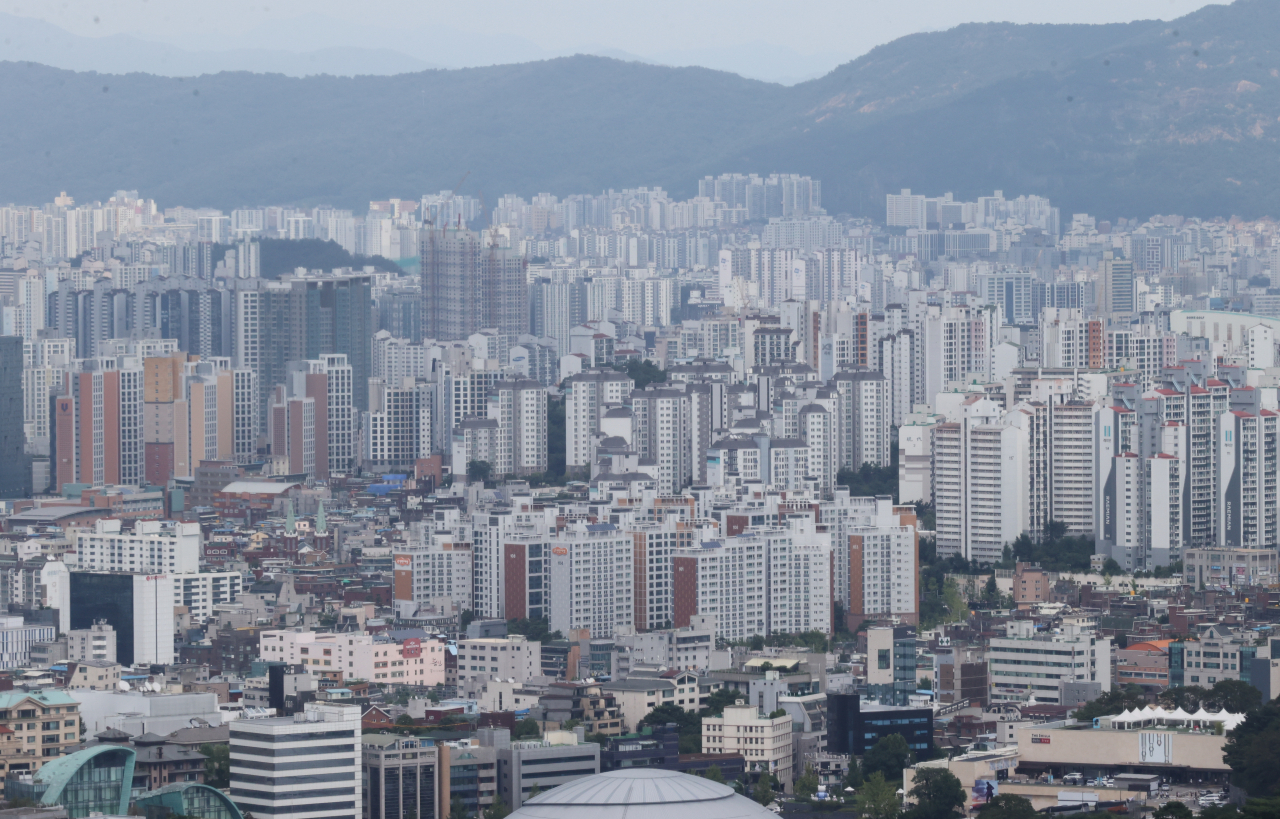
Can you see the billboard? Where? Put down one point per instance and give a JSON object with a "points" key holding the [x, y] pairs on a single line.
{"points": [[411, 647], [1155, 748], [984, 790], [404, 561]]}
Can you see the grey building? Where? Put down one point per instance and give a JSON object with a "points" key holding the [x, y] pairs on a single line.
{"points": [[467, 287], [15, 464], [399, 777], [540, 763]]}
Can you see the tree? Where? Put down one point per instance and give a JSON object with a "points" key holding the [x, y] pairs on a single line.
{"points": [[538, 629], [217, 764], [534, 791], [1008, 806], [853, 776], [1172, 810], [715, 774], [405, 721], [1111, 567], [937, 794], [1253, 752], [718, 699], [1235, 696], [777, 712], [479, 471], [527, 728], [890, 756], [643, 373], [807, 785], [1186, 697], [762, 792], [878, 799], [1111, 703], [498, 810], [457, 810], [925, 684], [669, 712]]}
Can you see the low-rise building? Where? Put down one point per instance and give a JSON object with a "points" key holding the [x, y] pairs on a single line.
{"points": [[643, 691], [557, 758], [95, 675], [765, 742], [1026, 664], [36, 727]]}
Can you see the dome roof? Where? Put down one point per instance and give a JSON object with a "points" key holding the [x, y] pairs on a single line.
{"points": [[641, 793]]}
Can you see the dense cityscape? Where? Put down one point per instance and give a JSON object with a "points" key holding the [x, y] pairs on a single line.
{"points": [[509, 496]]}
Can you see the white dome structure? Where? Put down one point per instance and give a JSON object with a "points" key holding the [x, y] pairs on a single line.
{"points": [[641, 793]]}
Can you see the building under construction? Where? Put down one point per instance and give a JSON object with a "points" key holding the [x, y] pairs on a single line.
{"points": [[467, 286]]}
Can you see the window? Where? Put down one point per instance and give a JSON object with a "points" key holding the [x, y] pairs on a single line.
{"points": [[882, 658]]}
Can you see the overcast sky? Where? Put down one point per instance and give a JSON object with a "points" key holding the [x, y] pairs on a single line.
{"points": [[815, 35]]}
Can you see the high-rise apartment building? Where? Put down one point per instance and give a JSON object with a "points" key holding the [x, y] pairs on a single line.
{"points": [[467, 286], [980, 482], [592, 571]]}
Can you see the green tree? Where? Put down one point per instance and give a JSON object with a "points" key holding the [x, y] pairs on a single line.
{"points": [[870, 480], [1007, 806], [853, 776], [890, 756], [777, 712], [1172, 810], [479, 471], [1235, 696], [643, 373], [807, 785], [991, 592], [1186, 697], [718, 699], [878, 799], [1111, 567], [957, 608], [1261, 809], [937, 794], [498, 810], [663, 714], [1111, 703], [457, 810], [527, 728], [405, 721], [1253, 752], [762, 792], [534, 791], [217, 764], [715, 774], [536, 629]]}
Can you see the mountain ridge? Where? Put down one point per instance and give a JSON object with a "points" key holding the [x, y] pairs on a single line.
{"points": [[1119, 119]]}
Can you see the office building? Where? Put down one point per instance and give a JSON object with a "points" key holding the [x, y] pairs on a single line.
{"points": [[854, 727], [1025, 664], [138, 606], [307, 766], [400, 775]]}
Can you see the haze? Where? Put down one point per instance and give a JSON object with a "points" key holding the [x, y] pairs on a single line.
{"points": [[785, 42]]}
